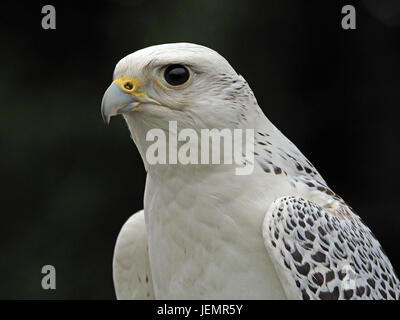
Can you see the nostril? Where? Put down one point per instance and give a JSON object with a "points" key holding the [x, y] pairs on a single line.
{"points": [[128, 85]]}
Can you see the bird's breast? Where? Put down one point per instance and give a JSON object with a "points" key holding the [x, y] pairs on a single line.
{"points": [[205, 238]]}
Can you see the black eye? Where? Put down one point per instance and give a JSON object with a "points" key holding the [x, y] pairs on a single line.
{"points": [[176, 74]]}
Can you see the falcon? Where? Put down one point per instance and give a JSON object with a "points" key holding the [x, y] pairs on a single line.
{"points": [[207, 233]]}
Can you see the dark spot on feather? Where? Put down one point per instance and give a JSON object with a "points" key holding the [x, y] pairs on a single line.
{"points": [[303, 269], [324, 242], [360, 291], [286, 245], [277, 170], [308, 246], [329, 276], [309, 235], [308, 170], [318, 278], [265, 167], [329, 192], [319, 257], [313, 289], [348, 294], [338, 247], [321, 231], [305, 295], [326, 295], [297, 256], [371, 282], [299, 236]]}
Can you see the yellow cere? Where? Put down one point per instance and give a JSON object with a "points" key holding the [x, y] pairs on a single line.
{"points": [[130, 85]]}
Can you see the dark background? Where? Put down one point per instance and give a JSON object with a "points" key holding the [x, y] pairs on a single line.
{"points": [[68, 183]]}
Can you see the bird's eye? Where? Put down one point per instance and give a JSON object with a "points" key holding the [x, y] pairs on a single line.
{"points": [[176, 74]]}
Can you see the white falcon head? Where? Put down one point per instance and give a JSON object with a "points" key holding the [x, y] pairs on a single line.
{"points": [[184, 82]]}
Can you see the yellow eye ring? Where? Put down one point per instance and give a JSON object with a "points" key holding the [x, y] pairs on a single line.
{"points": [[128, 85]]}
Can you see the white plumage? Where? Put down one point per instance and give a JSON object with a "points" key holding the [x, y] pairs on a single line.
{"points": [[277, 233]]}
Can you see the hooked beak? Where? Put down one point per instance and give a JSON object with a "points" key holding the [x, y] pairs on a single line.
{"points": [[122, 96]]}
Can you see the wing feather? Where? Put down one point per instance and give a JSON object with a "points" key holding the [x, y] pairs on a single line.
{"points": [[131, 265], [318, 255]]}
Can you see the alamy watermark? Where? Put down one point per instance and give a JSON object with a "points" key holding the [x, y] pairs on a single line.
{"points": [[49, 278], [190, 147], [49, 19], [349, 19]]}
